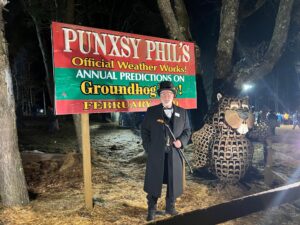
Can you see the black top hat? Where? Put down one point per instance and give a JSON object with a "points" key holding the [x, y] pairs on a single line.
{"points": [[166, 85]]}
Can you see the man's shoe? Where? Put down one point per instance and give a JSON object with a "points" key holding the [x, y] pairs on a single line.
{"points": [[151, 215], [160, 212], [170, 206], [172, 211]]}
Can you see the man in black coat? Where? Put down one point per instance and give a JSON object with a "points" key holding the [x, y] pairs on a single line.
{"points": [[164, 164]]}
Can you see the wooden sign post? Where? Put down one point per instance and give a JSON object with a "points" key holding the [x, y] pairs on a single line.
{"points": [[86, 156]]}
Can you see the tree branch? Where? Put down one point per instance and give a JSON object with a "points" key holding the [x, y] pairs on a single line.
{"points": [[259, 69], [228, 24], [246, 13]]}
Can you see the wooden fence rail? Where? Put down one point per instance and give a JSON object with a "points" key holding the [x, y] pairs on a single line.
{"points": [[236, 208]]}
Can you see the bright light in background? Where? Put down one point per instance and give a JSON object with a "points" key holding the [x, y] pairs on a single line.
{"points": [[247, 87]]}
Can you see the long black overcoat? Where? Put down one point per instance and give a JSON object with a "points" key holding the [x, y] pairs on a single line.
{"points": [[154, 143]]}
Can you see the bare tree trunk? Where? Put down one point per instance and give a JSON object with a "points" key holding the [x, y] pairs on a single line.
{"points": [[183, 19], [177, 23], [77, 124], [228, 24], [49, 78], [13, 187], [259, 69], [70, 18], [169, 19], [184, 27]]}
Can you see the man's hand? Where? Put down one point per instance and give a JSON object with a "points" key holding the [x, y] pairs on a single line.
{"points": [[177, 144]]}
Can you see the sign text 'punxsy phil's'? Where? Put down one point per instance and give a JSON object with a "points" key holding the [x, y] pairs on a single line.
{"points": [[123, 46]]}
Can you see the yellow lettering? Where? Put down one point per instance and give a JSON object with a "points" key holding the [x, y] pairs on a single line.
{"points": [[86, 105], [86, 89]]}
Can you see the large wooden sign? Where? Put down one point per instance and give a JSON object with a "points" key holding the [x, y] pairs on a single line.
{"points": [[99, 70]]}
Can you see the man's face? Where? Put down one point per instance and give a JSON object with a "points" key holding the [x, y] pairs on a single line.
{"points": [[166, 98]]}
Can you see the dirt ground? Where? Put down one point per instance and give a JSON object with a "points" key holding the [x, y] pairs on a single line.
{"points": [[56, 185]]}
